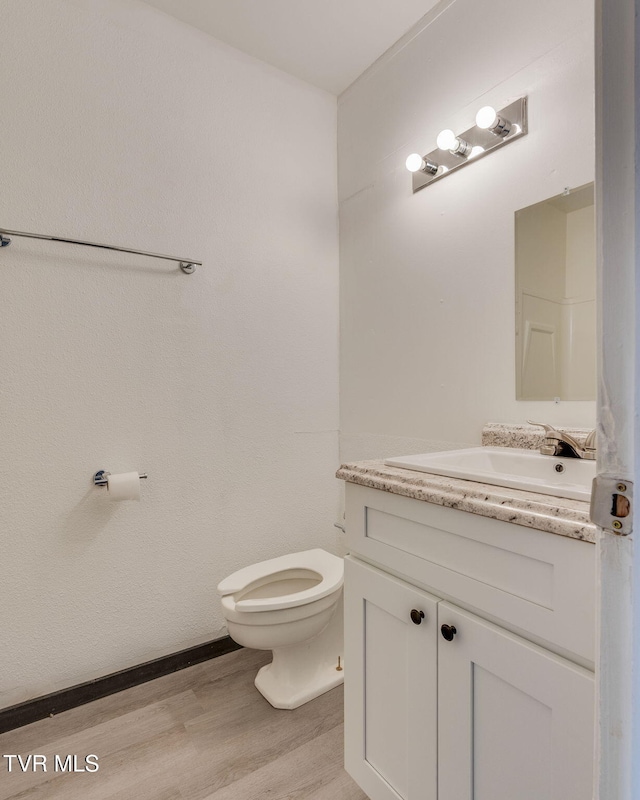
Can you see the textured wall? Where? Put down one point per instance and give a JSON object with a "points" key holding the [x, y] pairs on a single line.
{"points": [[120, 124], [427, 280]]}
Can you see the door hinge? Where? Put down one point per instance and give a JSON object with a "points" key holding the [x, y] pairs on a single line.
{"points": [[612, 504]]}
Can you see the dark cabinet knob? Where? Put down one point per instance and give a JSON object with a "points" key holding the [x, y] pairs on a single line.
{"points": [[416, 616], [448, 632]]}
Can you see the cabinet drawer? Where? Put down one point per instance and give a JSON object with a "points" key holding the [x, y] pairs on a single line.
{"points": [[532, 582]]}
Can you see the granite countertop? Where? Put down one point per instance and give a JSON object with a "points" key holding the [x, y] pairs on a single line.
{"points": [[556, 515]]}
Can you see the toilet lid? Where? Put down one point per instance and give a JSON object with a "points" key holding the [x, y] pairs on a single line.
{"points": [[329, 567]]}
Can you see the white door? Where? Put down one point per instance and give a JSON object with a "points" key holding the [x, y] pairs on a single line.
{"points": [[618, 240], [515, 721], [390, 685]]}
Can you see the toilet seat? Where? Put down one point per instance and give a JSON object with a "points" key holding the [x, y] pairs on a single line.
{"points": [[329, 568]]}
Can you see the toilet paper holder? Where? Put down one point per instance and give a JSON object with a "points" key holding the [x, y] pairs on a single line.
{"points": [[101, 476]]}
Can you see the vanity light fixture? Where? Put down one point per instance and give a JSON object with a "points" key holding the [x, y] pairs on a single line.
{"points": [[493, 130]]}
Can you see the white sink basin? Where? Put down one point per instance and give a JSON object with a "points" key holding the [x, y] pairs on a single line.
{"points": [[508, 466]]}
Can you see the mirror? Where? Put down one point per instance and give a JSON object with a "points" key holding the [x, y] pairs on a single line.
{"points": [[555, 298]]}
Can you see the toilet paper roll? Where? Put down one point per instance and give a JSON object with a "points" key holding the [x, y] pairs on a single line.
{"points": [[124, 486]]}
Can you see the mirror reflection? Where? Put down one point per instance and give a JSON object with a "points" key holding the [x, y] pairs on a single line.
{"points": [[555, 298]]}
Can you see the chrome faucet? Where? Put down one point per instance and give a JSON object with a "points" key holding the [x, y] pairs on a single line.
{"points": [[558, 443]]}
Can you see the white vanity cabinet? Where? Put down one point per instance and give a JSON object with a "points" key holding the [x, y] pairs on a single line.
{"points": [[504, 709]]}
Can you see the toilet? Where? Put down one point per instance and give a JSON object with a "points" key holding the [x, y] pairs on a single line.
{"points": [[293, 606]]}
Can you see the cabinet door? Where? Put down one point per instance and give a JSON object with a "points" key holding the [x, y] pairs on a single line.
{"points": [[515, 721], [390, 685]]}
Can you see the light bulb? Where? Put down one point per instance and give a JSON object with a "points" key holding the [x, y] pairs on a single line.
{"points": [[486, 117], [475, 151], [447, 140], [489, 119], [414, 162]]}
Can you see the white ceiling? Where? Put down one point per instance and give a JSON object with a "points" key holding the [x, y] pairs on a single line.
{"points": [[327, 43]]}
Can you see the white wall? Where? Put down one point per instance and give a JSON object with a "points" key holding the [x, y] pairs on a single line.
{"points": [[120, 124], [427, 280]]}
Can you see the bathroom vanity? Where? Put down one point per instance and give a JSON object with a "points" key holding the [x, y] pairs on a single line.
{"points": [[469, 639]]}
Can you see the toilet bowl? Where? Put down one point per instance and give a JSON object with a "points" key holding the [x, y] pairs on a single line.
{"points": [[293, 606]]}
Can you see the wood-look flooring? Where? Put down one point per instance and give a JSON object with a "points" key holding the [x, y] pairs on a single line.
{"points": [[204, 733]]}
